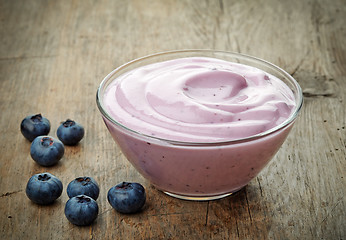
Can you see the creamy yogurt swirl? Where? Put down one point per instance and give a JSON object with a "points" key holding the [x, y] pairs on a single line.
{"points": [[198, 99]]}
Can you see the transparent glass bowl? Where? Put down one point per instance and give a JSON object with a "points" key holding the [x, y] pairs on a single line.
{"points": [[199, 171]]}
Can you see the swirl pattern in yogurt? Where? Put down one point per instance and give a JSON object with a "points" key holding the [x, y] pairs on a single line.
{"points": [[199, 99]]}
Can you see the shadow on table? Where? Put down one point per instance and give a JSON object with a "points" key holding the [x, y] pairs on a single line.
{"points": [[243, 214]]}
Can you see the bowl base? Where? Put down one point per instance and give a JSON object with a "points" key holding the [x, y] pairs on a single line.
{"points": [[197, 198]]}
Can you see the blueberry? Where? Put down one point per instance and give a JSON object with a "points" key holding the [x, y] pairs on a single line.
{"points": [[43, 188], [33, 126], [127, 197], [81, 210], [46, 150], [83, 186], [70, 132]]}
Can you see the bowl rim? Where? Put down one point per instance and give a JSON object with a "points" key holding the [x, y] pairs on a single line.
{"points": [[286, 123]]}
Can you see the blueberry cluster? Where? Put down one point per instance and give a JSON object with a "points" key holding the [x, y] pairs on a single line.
{"points": [[44, 188], [82, 209], [46, 150], [69, 131]]}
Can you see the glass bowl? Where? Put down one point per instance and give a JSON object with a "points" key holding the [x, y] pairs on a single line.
{"points": [[199, 170]]}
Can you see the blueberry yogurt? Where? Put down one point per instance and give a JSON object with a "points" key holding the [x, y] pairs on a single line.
{"points": [[198, 126]]}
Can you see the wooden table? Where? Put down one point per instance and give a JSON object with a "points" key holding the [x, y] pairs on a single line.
{"points": [[54, 54]]}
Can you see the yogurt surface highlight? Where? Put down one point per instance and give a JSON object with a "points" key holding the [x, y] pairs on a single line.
{"points": [[198, 99]]}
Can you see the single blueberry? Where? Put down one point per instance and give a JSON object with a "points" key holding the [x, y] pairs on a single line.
{"points": [[70, 132], [46, 150], [81, 210], [43, 188], [83, 186], [33, 126], [127, 197]]}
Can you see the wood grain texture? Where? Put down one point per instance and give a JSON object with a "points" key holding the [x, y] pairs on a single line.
{"points": [[54, 54]]}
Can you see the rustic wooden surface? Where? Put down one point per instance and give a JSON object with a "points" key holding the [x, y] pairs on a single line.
{"points": [[54, 54]]}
